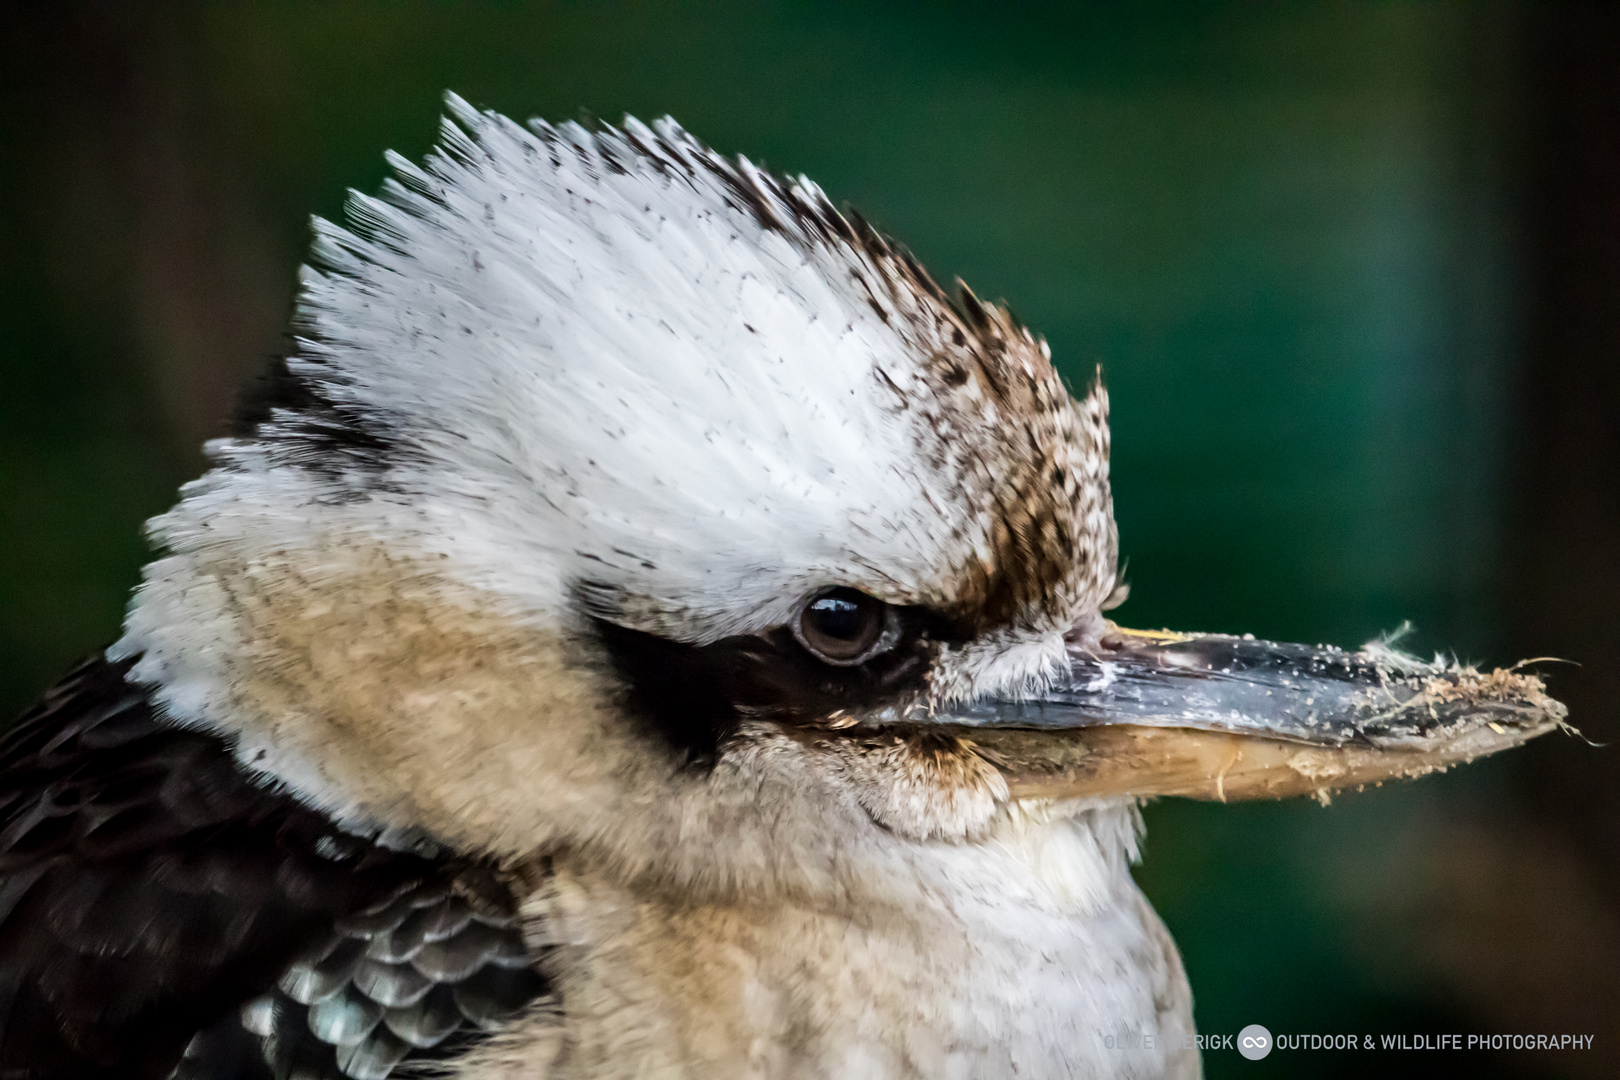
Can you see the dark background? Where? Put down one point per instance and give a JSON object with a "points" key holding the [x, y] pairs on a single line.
{"points": [[1352, 269]]}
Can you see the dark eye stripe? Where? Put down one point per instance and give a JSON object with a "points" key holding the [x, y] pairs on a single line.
{"points": [[693, 697]]}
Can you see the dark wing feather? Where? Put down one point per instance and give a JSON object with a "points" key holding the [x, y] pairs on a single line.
{"points": [[416, 975], [153, 896]]}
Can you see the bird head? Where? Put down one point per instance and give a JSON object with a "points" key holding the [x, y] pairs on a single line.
{"points": [[625, 499]]}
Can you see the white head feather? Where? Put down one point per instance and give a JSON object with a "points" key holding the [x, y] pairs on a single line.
{"points": [[557, 374]]}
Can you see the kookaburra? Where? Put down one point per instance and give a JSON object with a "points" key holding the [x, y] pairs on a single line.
{"points": [[647, 628]]}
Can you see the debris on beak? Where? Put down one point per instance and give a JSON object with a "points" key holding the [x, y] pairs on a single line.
{"points": [[1218, 717]]}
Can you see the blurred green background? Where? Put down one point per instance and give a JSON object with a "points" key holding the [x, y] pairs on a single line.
{"points": [[1352, 271]]}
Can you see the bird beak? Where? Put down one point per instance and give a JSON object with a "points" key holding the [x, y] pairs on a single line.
{"points": [[1217, 717]]}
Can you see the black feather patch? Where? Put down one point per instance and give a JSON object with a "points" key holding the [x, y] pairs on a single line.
{"points": [[150, 889], [308, 429], [693, 697]]}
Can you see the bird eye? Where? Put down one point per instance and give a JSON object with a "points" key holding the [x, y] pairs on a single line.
{"points": [[842, 626]]}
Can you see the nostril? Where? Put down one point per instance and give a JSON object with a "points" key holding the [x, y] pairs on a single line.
{"points": [[1089, 634]]}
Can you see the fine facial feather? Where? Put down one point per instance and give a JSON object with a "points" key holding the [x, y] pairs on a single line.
{"points": [[565, 403], [591, 359], [608, 376]]}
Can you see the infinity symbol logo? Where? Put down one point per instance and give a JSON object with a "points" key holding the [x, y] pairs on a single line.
{"points": [[1254, 1042]]}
